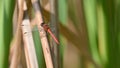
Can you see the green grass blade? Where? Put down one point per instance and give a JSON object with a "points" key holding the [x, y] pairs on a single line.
{"points": [[38, 47], [6, 13], [91, 19], [1, 35], [102, 35], [62, 11]]}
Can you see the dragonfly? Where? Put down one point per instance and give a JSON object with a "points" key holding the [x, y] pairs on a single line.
{"points": [[47, 29]]}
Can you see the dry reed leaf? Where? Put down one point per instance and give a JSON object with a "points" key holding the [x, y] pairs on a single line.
{"points": [[29, 45], [15, 50], [51, 6]]}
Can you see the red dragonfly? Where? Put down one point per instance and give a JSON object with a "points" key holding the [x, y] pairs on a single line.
{"points": [[47, 29]]}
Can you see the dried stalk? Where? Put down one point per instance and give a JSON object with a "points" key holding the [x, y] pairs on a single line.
{"points": [[28, 41], [16, 43], [43, 37], [29, 45], [54, 26]]}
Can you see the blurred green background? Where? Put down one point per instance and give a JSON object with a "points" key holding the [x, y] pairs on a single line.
{"points": [[89, 32]]}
